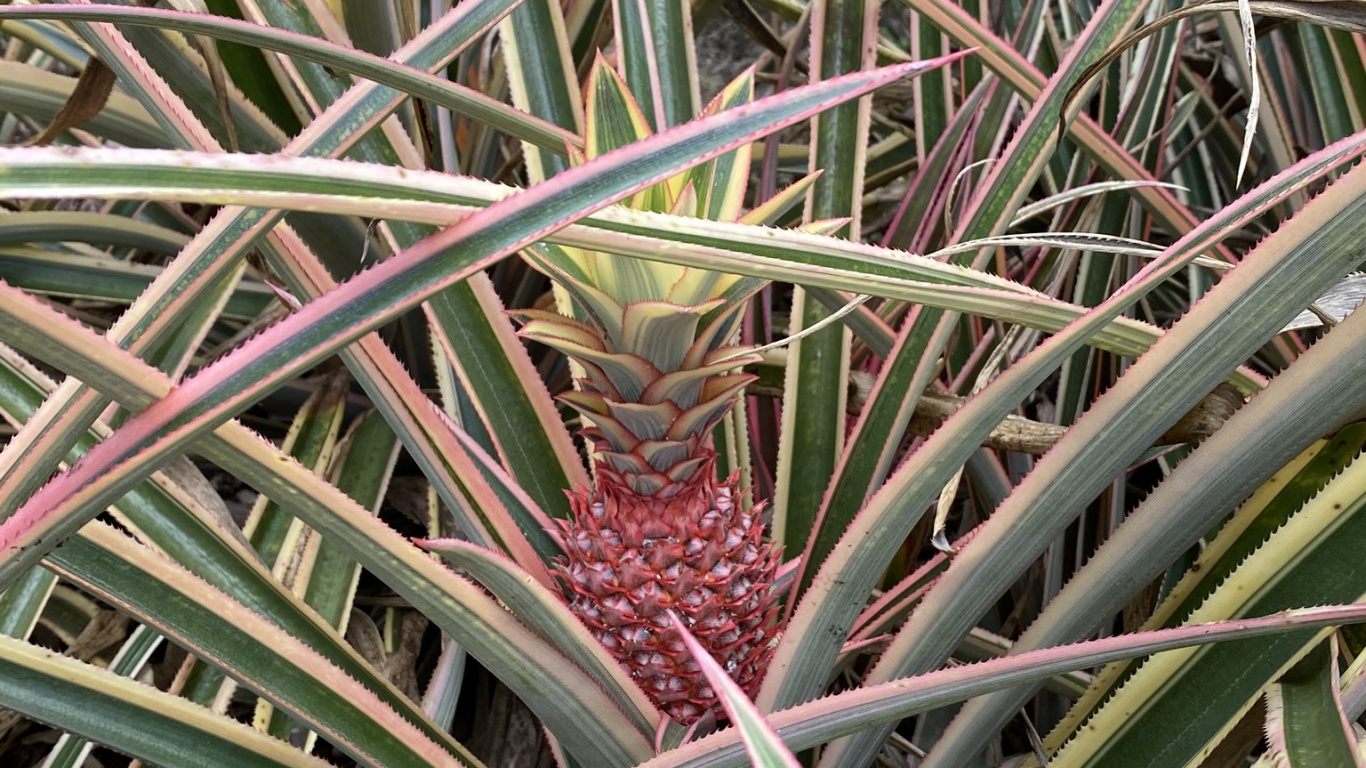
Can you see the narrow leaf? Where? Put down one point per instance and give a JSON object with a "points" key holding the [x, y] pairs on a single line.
{"points": [[765, 748], [134, 718]]}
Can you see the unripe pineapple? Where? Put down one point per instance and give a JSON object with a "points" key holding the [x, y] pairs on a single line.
{"points": [[698, 553], [659, 532]]}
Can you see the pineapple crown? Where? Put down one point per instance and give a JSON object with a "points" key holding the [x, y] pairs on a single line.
{"points": [[652, 393], [654, 341]]}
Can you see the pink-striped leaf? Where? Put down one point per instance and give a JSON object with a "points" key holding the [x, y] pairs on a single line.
{"points": [[408, 79], [1177, 516], [762, 744], [809, 725], [567, 700], [888, 517], [365, 302]]}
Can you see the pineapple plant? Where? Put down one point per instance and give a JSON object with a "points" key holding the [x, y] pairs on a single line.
{"points": [[159, 318], [657, 371]]}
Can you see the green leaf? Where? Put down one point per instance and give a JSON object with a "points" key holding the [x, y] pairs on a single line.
{"points": [[134, 718], [22, 604], [781, 255], [169, 301], [362, 469], [250, 648], [85, 227], [1228, 324], [721, 184], [280, 539], [612, 115], [808, 725], [815, 394], [169, 518], [614, 120], [1258, 445], [541, 76], [762, 744], [1010, 65], [1193, 698], [657, 59], [71, 752], [1305, 725], [311, 440], [558, 693], [247, 68]]}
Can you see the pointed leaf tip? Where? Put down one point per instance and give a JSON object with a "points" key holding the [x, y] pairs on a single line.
{"points": [[916, 67]]}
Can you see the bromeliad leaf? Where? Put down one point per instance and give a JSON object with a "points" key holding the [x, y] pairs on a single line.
{"points": [[1305, 724], [814, 723], [1289, 569], [364, 303], [762, 744], [564, 698], [136, 718]]}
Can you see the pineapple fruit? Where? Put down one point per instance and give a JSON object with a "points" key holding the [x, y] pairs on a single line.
{"points": [[653, 345], [659, 532]]}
